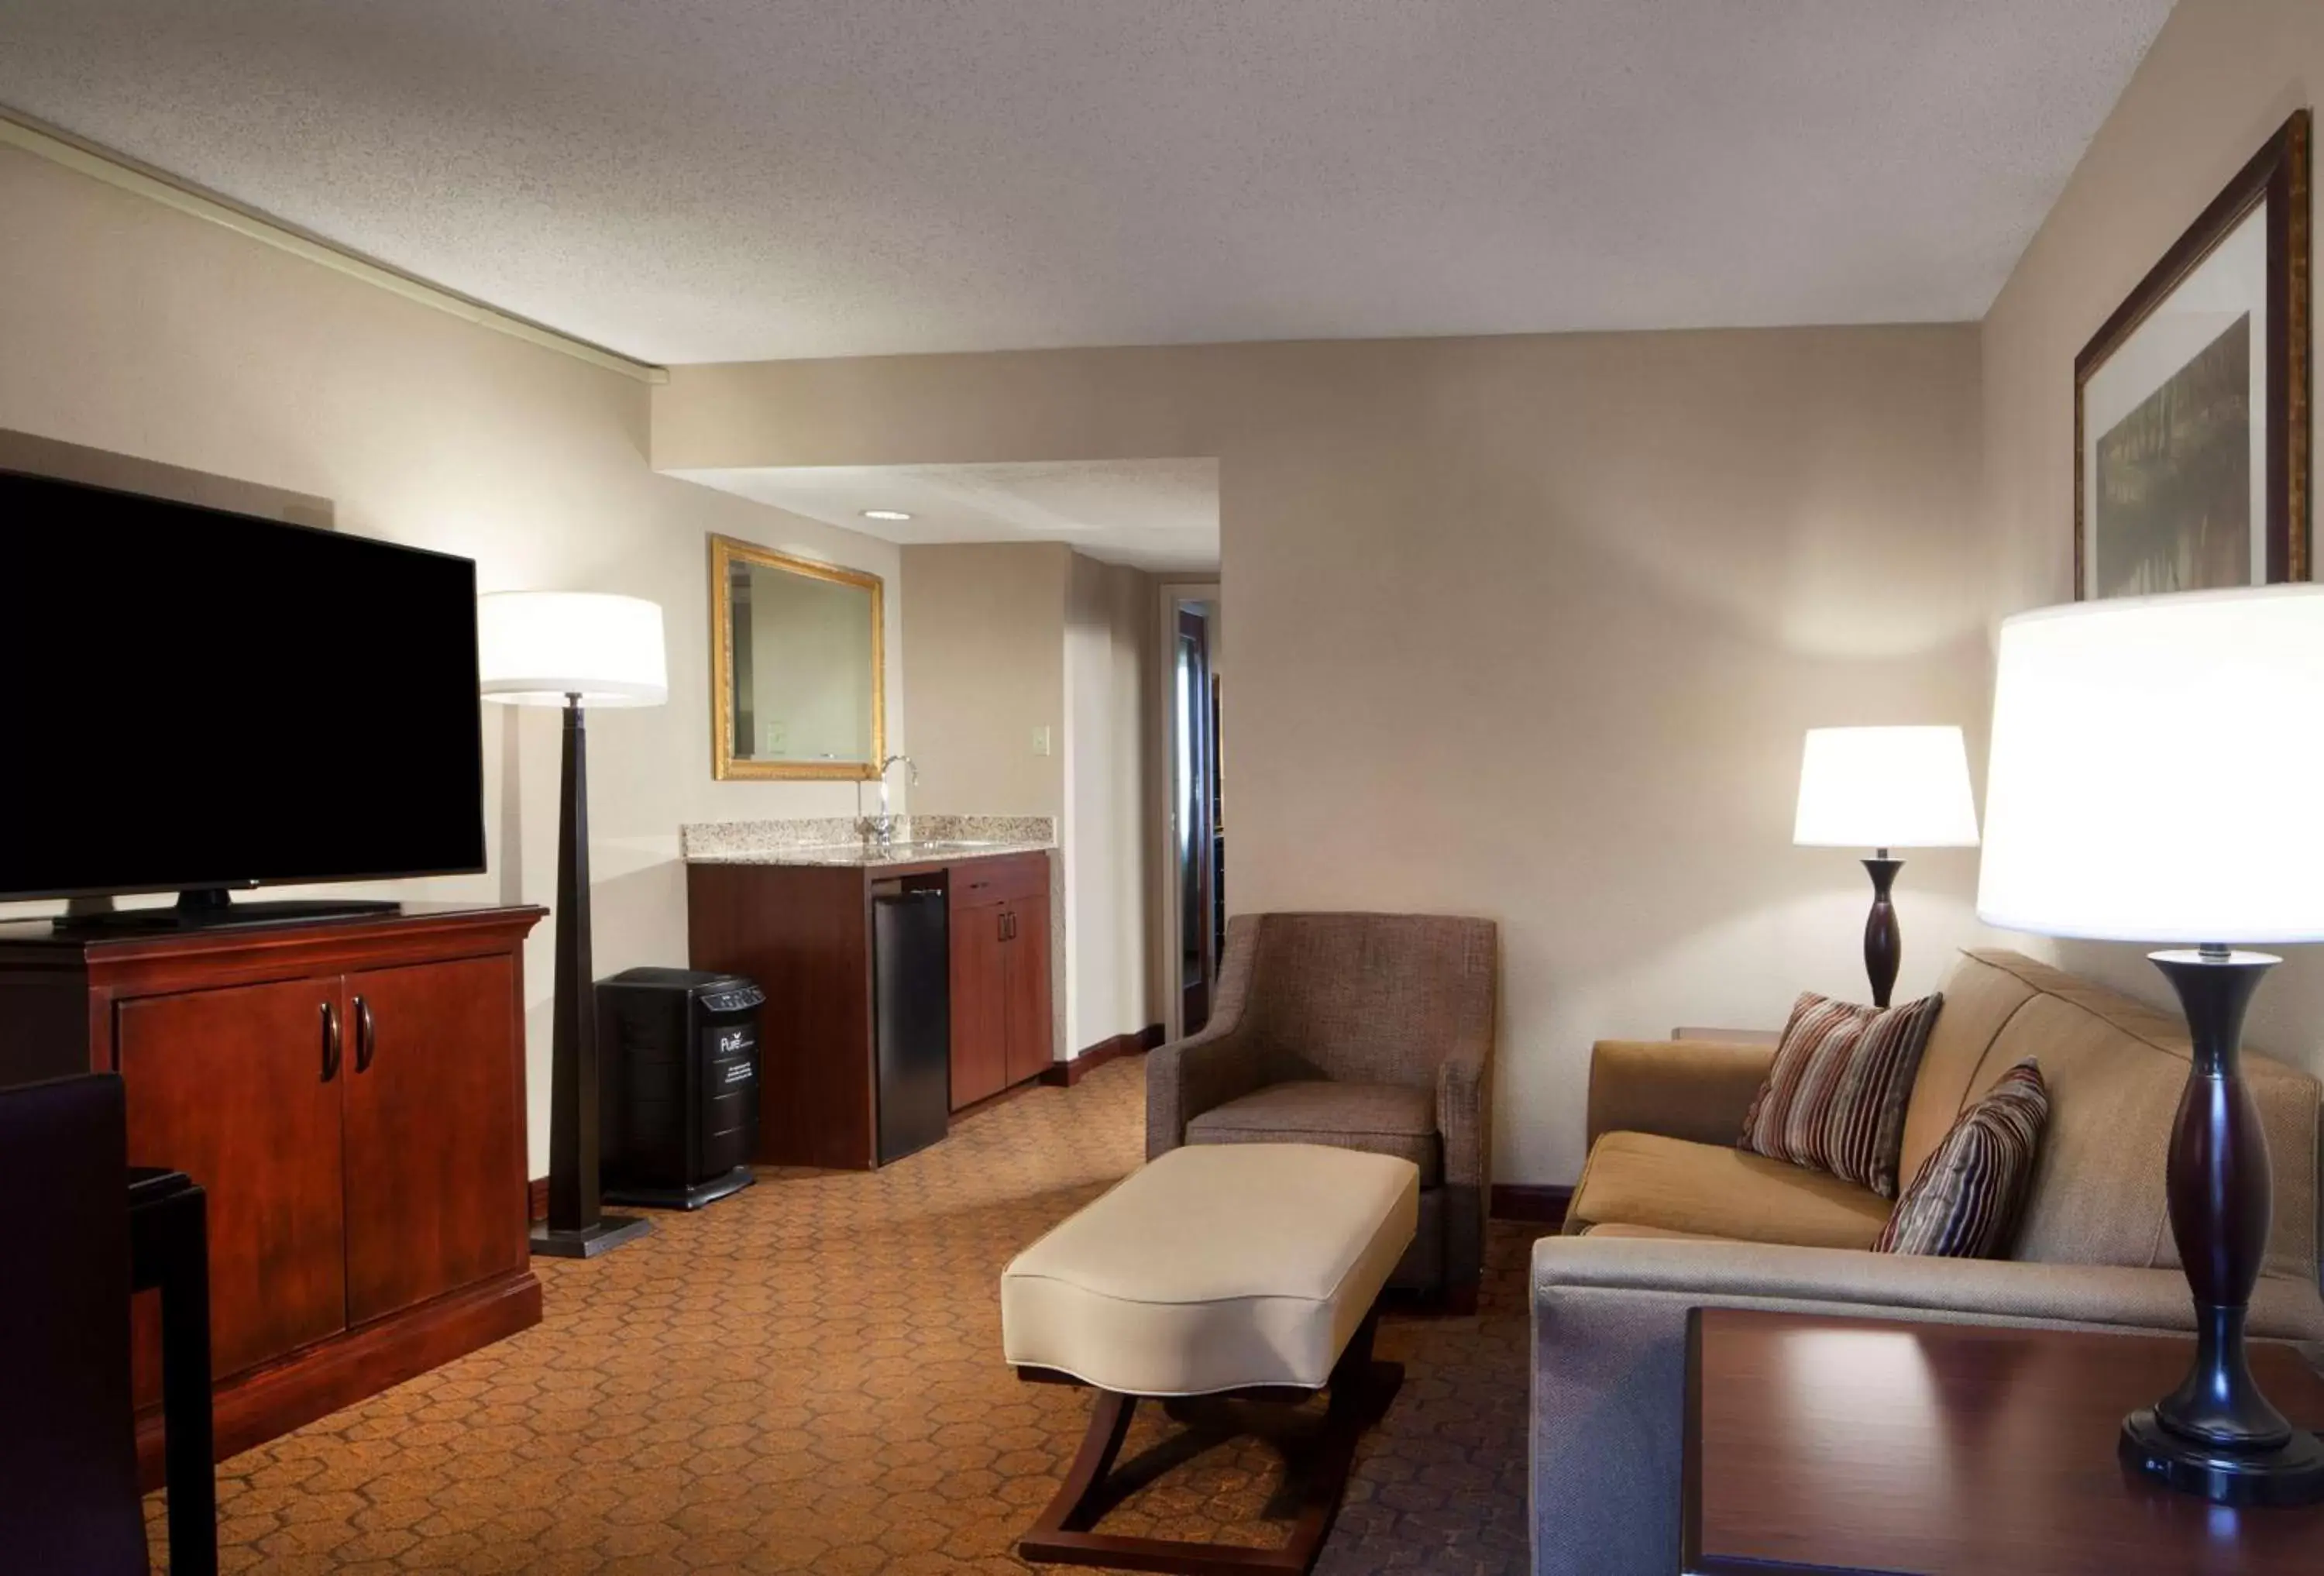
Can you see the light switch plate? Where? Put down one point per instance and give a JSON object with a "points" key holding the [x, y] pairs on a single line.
{"points": [[1041, 741]]}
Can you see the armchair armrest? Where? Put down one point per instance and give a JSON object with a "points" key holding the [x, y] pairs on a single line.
{"points": [[1697, 1089], [1187, 1077], [1464, 1114], [1464, 1125]]}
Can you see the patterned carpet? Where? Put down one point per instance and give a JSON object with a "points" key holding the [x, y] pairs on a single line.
{"points": [[808, 1378]]}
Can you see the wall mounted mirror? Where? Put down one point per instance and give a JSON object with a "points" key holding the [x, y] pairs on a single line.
{"points": [[798, 681]]}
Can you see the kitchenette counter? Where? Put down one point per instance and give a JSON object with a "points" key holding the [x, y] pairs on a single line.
{"points": [[902, 857], [859, 947], [918, 841]]}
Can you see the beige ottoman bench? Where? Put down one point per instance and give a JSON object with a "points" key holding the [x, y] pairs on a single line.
{"points": [[1238, 1269]]}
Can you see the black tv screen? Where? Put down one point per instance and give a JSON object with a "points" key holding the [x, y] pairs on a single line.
{"points": [[202, 700]]}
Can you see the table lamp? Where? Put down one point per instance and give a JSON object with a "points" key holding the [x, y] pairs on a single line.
{"points": [[1882, 788], [2154, 777], [570, 648]]}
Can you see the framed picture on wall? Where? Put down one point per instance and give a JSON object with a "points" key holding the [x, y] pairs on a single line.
{"points": [[2191, 404]]}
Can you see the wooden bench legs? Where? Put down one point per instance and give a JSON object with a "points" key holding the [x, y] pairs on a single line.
{"points": [[1360, 1389]]}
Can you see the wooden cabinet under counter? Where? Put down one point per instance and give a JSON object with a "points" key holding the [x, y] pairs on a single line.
{"points": [[804, 932], [1001, 1014]]}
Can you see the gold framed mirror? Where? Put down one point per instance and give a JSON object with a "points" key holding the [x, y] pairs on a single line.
{"points": [[797, 666]]}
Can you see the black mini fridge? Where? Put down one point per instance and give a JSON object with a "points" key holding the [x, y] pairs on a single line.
{"points": [[678, 1082], [911, 971]]}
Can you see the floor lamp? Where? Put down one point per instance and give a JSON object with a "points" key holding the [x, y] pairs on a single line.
{"points": [[2154, 777], [571, 649], [1882, 788]]}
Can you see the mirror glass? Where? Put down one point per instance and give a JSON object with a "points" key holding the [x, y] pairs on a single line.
{"points": [[798, 686]]}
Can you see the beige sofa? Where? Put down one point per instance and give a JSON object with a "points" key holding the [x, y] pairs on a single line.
{"points": [[1669, 1215]]}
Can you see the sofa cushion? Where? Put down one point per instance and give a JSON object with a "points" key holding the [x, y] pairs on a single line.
{"points": [[1964, 1201], [2116, 1068], [1714, 1190], [1981, 995], [1835, 1098], [1380, 1119]]}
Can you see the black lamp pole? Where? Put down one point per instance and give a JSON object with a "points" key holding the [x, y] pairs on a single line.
{"points": [[576, 1228], [2216, 1435], [1883, 945]]}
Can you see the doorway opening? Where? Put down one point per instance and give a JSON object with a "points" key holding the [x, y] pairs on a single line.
{"points": [[1195, 821]]}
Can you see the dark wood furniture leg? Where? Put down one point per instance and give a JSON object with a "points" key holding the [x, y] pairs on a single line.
{"points": [[169, 1250], [1360, 1389]]}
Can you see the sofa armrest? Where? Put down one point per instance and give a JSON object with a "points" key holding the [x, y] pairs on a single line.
{"points": [[1697, 1089], [1907, 1285], [1610, 1357]]}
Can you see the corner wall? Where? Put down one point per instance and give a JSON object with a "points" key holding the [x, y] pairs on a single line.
{"points": [[1109, 812], [132, 327], [983, 631], [1008, 638], [2220, 77]]}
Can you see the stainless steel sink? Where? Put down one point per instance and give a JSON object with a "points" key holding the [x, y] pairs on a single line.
{"points": [[942, 845]]}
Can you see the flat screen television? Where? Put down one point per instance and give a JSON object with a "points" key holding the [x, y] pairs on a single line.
{"points": [[201, 701]]}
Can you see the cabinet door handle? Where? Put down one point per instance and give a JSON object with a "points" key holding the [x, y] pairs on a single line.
{"points": [[1000, 926], [330, 1041], [367, 1039]]}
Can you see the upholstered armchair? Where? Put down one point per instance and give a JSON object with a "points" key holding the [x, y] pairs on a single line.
{"points": [[1365, 1031]]}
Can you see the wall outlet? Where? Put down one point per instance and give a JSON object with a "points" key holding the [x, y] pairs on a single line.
{"points": [[1041, 741]]}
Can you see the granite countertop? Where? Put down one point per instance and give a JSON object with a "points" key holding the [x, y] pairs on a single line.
{"points": [[833, 842], [934, 851]]}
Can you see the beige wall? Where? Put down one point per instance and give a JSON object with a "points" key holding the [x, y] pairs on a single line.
{"points": [[131, 328], [984, 630], [1109, 642], [1003, 639], [2219, 80], [1527, 628]]}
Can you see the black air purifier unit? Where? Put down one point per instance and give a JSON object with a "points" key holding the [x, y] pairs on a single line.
{"points": [[678, 1064]]}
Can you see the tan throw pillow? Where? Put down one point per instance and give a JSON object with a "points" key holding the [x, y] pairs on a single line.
{"points": [[1963, 1202], [1834, 1100]]}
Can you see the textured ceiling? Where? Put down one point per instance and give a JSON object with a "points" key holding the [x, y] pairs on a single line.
{"points": [[1156, 514], [727, 179]]}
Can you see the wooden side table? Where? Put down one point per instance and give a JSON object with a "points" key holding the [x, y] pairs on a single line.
{"points": [[1848, 1445]]}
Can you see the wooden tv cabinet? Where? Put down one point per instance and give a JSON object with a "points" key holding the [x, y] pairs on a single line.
{"points": [[350, 1092]]}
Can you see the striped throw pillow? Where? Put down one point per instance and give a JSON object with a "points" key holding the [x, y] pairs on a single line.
{"points": [[1834, 1100], [1963, 1202]]}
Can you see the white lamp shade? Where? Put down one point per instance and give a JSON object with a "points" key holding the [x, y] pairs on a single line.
{"points": [[535, 648], [1885, 788], [2155, 769]]}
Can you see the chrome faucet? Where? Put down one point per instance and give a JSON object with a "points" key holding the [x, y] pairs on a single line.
{"points": [[880, 830]]}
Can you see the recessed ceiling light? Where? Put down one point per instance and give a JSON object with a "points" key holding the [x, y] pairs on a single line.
{"points": [[885, 514]]}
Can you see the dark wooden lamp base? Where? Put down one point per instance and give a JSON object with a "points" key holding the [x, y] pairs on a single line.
{"points": [[1360, 1390], [1883, 945], [577, 1227], [2216, 1435], [2290, 1473]]}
